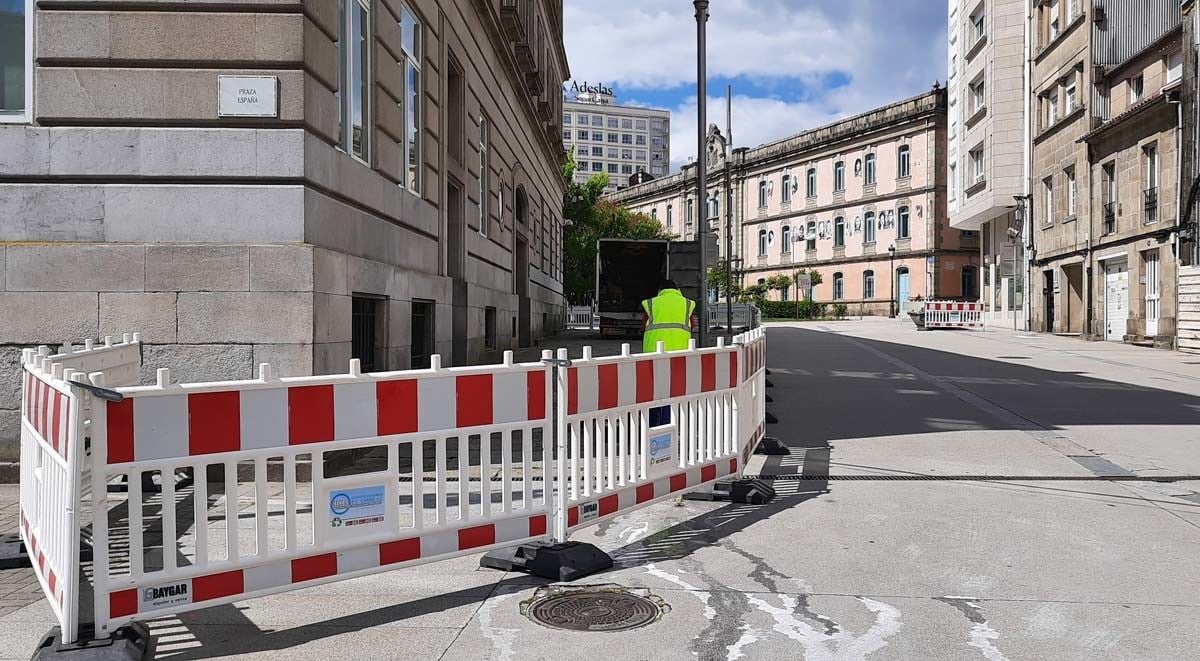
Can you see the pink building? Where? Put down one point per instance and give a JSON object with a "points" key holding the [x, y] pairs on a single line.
{"points": [[858, 201]]}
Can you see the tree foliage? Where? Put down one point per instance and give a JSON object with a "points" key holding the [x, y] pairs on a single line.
{"points": [[592, 219], [716, 279]]}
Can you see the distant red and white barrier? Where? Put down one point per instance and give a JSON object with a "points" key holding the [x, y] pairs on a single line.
{"points": [[237, 489], [953, 314]]}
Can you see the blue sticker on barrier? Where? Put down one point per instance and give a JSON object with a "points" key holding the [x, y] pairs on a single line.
{"points": [[661, 447], [356, 507]]}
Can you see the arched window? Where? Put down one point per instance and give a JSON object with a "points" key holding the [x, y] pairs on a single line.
{"points": [[839, 232], [786, 182], [786, 237], [904, 166], [839, 287], [762, 243], [762, 194], [654, 214], [902, 223], [670, 217], [811, 236], [811, 187], [869, 175], [839, 177], [869, 227], [868, 284], [784, 294]]}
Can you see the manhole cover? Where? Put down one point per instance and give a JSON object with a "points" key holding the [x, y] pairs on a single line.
{"points": [[593, 608]]}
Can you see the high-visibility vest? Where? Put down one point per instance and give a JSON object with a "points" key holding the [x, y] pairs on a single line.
{"points": [[669, 316]]}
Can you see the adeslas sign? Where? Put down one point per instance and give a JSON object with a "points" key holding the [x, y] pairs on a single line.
{"points": [[585, 88]]}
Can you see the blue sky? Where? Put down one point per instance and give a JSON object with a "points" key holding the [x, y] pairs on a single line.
{"points": [[793, 64]]}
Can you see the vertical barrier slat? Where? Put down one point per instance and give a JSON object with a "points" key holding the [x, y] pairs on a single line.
{"points": [[200, 509], [440, 471], [464, 478], [588, 434], [622, 448], [262, 508], [231, 508], [506, 470], [610, 433], [289, 502], [99, 456], [643, 452], [169, 535], [485, 474], [576, 448], [559, 498], [418, 483], [527, 468], [134, 478]]}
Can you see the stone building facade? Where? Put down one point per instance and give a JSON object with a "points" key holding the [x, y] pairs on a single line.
{"points": [[834, 199], [986, 152], [401, 197]]}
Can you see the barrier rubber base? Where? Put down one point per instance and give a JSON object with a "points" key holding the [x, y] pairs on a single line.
{"points": [[745, 492], [557, 562], [129, 643], [771, 447], [12, 552]]}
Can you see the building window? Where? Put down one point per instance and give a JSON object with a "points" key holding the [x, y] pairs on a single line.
{"points": [[810, 237], [903, 226], [970, 282], [716, 206], [1051, 101], [489, 328], [597, 137], [581, 151], [566, 118], [367, 314], [421, 327], [626, 154], [626, 169], [977, 164], [839, 177], [784, 294], [1070, 97], [583, 135], [977, 92], [1053, 20], [839, 232], [16, 61], [904, 167], [598, 152], [614, 138], [785, 196], [868, 284], [1136, 88], [412, 43], [597, 166], [627, 138], [977, 21], [354, 79], [870, 170], [640, 140], [612, 168], [1072, 190], [868, 228], [1072, 10], [1109, 197], [691, 207], [1048, 199], [786, 236], [670, 217], [953, 182], [762, 243], [839, 287], [613, 122], [485, 177], [627, 124], [810, 186], [640, 125], [640, 154], [762, 194], [1150, 206], [597, 120]]}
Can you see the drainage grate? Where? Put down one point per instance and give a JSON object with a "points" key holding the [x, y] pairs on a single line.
{"points": [[593, 608], [976, 478]]}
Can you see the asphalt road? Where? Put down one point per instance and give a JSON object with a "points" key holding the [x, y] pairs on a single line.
{"points": [[944, 498]]}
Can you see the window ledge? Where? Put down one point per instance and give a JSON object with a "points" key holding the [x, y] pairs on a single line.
{"points": [[979, 185], [1061, 122], [976, 47], [1070, 219], [1062, 35], [975, 117]]}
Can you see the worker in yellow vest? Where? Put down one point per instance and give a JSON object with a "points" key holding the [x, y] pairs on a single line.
{"points": [[668, 319]]}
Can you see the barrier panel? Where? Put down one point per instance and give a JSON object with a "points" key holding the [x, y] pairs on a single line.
{"points": [[745, 316], [581, 317], [953, 314], [193, 495]]}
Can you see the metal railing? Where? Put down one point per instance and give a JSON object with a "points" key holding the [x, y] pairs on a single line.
{"points": [[1110, 217], [1150, 205]]}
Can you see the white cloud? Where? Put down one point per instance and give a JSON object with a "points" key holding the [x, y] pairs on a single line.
{"points": [[887, 49]]}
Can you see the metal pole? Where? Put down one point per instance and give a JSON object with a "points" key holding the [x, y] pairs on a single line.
{"points": [[729, 211], [701, 175], [892, 268]]}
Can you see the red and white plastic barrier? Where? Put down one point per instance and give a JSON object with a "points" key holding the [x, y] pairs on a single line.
{"points": [[262, 486], [953, 314]]}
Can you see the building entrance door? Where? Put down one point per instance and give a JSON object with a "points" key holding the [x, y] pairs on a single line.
{"points": [[1048, 293], [1153, 293], [902, 289], [1116, 300]]}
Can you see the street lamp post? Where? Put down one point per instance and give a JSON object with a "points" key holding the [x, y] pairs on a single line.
{"points": [[892, 268], [701, 174]]}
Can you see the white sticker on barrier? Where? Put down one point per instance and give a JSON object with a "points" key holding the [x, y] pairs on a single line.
{"points": [[158, 597], [363, 506], [589, 511], [663, 459]]}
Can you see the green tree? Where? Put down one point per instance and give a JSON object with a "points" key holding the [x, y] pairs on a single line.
{"points": [[591, 219], [814, 279], [779, 282], [716, 278]]}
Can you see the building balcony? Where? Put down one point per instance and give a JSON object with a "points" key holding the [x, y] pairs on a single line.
{"points": [[1150, 205]]}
